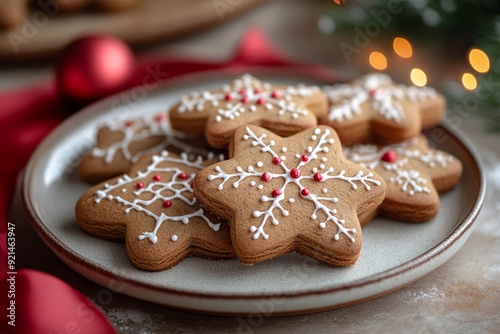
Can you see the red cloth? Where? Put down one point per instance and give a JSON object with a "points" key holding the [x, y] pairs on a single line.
{"points": [[26, 117]]}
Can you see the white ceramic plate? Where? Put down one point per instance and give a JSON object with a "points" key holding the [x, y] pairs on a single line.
{"points": [[393, 255]]}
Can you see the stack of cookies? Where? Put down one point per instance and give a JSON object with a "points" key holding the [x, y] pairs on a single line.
{"points": [[256, 170]]}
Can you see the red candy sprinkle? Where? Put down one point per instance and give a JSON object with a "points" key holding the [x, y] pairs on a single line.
{"points": [[276, 160], [183, 176], [159, 118], [295, 173], [229, 97], [192, 185], [305, 158], [318, 177], [257, 91], [389, 156], [372, 92], [246, 99], [157, 177], [167, 204], [276, 192], [242, 91], [261, 101], [266, 177], [139, 185], [276, 94], [129, 123], [305, 192]]}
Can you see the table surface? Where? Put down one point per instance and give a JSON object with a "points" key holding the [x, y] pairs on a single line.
{"points": [[461, 296]]}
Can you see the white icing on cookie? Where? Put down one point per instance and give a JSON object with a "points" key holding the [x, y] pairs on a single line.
{"points": [[294, 175], [164, 190], [379, 91], [246, 94]]}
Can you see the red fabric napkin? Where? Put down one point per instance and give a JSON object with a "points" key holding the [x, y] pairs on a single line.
{"points": [[43, 302]]}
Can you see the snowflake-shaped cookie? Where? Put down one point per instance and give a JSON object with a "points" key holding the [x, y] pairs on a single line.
{"points": [[373, 106], [284, 110], [122, 142], [154, 210], [291, 194], [415, 175]]}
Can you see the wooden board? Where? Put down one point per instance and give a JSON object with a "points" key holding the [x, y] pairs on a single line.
{"points": [[39, 36]]}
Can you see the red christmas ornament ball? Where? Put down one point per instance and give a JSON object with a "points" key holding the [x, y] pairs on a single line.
{"points": [[93, 67]]}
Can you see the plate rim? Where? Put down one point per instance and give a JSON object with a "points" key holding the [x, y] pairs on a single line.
{"points": [[67, 254]]}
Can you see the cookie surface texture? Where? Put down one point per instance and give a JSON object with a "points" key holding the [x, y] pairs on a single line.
{"points": [[373, 107], [295, 194], [415, 175], [285, 110], [155, 212]]}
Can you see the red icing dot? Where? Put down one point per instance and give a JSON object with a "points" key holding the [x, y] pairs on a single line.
{"points": [[183, 176], [129, 123], [266, 177], [242, 91], [276, 192], [389, 156], [372, 92], [305, 158], [246, 99], [305, 192], [159, 118], [318, 177], [139, 185], [276, 94], [192, 185], [157, 177], [276, 160], [229, 97], [295, 173], [167, 204], [257, 91], [261, 101]]}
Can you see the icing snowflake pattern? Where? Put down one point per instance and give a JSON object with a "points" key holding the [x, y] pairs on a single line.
{"points": [[377, 88], [134, 131], [294, 176], [244, 95], [370, 156], [177, 186]]}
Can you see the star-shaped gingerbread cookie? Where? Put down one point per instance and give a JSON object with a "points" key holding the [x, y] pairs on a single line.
{"points": [[120, 143], [294, 194], [415, 175], [284, 110], [374, 107], [154, 210]]}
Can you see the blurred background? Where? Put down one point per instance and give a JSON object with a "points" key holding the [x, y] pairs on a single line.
{"points": [[449, 44]]}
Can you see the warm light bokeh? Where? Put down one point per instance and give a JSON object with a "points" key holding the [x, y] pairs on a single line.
{"points": [[418, 77], [479, 60], [378, 60], [469, 81], [402, 47]]}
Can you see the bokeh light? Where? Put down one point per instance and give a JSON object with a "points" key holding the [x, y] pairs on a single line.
{"points": [[378, 60], [418, 77], [402, 47], [479, 60], [469, 81]]}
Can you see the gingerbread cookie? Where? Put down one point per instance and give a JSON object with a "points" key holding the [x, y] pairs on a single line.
{"points": [[122, 143], [374, 107], [295, 194], [154, 210], [415, 175], [284, 110]]}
